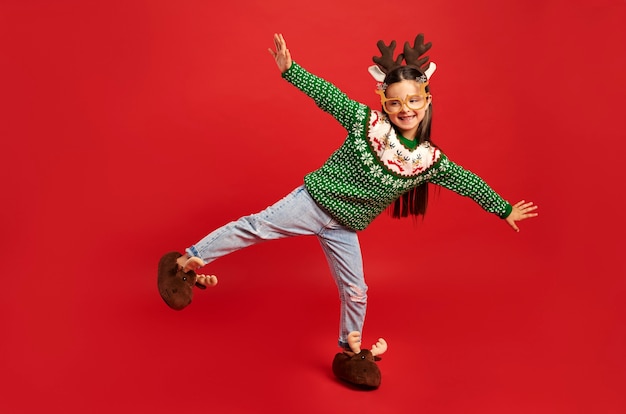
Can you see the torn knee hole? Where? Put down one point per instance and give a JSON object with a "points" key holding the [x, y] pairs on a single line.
{"points": [[358, 294]]}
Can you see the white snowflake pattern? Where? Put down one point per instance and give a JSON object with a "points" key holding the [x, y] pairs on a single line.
{"points": [[376, 171], [387, 180], [360, 146], [367, 158], [360, 115]]}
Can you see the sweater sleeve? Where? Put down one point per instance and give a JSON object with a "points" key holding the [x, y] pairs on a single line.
{"points": [[327, 96], [466, 183]]}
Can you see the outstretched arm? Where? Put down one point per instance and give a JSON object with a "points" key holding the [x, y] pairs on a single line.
{"points": [[466, 183], [281, 55], [521, 211], [327, 96]]}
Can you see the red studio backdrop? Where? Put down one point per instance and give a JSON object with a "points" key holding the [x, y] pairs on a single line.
{"points": [[132, 128]]}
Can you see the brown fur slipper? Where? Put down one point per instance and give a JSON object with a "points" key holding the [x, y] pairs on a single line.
{"points": [[175, 286], [357, 369]]}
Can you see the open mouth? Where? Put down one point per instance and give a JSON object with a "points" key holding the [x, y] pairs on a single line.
{"points": [[405, 118]]}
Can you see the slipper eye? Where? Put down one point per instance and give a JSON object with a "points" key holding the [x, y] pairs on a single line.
{"points": [[184, 278]]}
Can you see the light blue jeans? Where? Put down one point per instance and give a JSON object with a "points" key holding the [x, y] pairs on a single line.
{"points": [[297, 215]]}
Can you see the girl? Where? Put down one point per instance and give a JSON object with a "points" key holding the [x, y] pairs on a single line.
{"points": [[386, 158]]}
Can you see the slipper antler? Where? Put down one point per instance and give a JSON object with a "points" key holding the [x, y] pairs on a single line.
{"points": [[354, 341], [379, 347], [192, 263]]}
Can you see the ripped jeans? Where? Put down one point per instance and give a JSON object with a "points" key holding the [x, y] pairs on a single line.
{"points": [[298, 214]]}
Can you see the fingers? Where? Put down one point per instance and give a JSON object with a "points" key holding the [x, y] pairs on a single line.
{"points": [[529, 215], [276, 42], [524, 206], [281, 47], [279, 42], [519, 204], [525, 209]]}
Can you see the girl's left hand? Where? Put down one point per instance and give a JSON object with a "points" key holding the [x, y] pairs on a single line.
{"points": [[521, 211], [281, 55]]}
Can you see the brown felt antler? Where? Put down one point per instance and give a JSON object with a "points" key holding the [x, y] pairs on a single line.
{"points": [[413, 55], [386, 62]]}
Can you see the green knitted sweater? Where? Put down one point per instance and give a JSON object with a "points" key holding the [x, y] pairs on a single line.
{"points": [[373, 167]]}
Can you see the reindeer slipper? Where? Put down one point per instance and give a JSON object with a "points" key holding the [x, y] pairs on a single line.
{"points": [[175, 284], [358, 367]]}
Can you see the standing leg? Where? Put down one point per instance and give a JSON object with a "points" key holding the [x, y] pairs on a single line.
{"points": [[343, 252]]}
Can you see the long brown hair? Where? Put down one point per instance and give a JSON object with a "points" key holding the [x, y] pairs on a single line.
{"points": [[414, 201]]}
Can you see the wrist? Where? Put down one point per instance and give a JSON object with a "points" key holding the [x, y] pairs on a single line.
{"points": [[289, 69], [507, 211]]}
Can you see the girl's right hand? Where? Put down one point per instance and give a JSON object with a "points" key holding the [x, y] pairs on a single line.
{"points": [[521, 211], [281, 55]]}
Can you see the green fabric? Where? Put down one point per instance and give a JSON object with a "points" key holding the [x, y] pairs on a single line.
{"points": [[353, 185], [409, 143]]}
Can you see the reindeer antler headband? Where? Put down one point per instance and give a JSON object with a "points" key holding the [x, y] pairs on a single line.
{"points": [[385, 63]]}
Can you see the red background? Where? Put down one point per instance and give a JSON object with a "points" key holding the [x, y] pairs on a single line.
{"points": [[115, 119]]}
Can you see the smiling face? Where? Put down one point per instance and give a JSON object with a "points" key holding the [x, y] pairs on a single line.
{"points": [[407, 120]]}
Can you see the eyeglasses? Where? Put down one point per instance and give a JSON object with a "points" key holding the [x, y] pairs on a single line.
{"points": [[413, 102]]}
